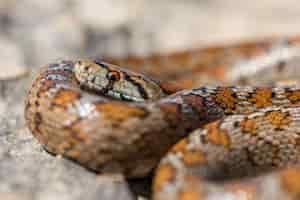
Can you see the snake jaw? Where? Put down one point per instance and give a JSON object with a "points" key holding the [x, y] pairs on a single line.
{"points": [[122, 96]]}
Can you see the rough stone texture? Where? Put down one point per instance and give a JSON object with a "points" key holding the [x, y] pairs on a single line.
{"points": [[28, 172], [34, 32]]}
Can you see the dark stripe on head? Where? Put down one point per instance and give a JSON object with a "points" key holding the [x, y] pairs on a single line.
{"points": [[101, 63], [140, 88]]}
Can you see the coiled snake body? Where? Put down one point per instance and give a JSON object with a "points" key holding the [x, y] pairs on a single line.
{"points": [[234, 142]]}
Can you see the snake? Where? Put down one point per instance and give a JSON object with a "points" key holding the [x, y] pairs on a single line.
{"points": [[221, 122]]}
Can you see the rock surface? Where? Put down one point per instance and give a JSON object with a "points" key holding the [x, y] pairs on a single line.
{"points": [[34, 32], [28, 172]]}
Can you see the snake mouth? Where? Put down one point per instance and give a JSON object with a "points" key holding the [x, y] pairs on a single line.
{"points": [[123, 97]]}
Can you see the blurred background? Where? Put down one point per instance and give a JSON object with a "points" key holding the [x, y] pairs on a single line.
{"points": [[36, 32]]}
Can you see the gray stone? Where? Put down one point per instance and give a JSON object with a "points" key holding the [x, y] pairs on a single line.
{"points": [[12, 63], [61, 37], [104, 15], [28, 172], [33, 12]]}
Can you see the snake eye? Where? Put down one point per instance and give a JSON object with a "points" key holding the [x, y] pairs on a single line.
{"points": [[113, 76]]}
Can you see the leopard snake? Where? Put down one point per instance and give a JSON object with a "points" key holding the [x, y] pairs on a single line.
{"points": [[235, 139]]}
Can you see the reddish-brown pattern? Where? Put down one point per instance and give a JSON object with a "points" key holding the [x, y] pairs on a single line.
{"points": [[225, 99], [216, 135], [238, 131], [249, 126], [262, 98]]}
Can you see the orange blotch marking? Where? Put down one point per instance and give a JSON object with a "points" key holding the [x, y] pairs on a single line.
{"points": [[180, 146], [216, 135], [65, 97], [294, 96], [194, 157], [118, 112], [225, 98], [290, 180], [262, 97], [164, 174], [279, 119], [190, 194], [248, 126], [189, 157]]}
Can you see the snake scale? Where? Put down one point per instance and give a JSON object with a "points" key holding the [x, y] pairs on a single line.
{"points": [[224, 123]]}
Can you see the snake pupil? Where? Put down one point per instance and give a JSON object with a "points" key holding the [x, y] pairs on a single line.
{"points": [[113, 76]]}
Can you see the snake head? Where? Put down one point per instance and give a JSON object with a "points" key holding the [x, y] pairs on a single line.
{"points": [[116, 82]]}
